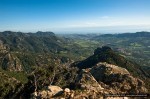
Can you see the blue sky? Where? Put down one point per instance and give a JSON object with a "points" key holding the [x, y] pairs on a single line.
{"points": [[75, 16]]}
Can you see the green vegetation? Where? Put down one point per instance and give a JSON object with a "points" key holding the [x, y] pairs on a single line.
{"points": [[47, 57], [9, 87], [106, 54], [20, 76]]}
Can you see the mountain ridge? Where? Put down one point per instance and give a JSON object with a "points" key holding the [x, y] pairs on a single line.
{"points": [[35, 42], [106, 54], [129, 35]]}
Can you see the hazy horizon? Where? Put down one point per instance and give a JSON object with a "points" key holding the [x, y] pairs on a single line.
{"points": [[75, 16]]}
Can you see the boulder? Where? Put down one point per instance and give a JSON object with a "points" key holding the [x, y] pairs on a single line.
{"points": [[35, 94], [55, 90], [43, 94], [49, 94], [67, 90]]}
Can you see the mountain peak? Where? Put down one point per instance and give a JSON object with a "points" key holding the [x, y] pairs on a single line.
{"points": [[40, 33], [106, 54], [103, 49]]}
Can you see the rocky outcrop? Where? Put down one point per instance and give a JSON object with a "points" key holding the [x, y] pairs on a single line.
{"points": [[104, 80], [87, 81], [8, 60], [11, 62], [99, 82], [3, 48], [55, 90], [118, 78], [101, 70], [51, 91]]}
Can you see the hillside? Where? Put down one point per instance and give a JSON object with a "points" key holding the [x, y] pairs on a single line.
{"points": [[106, 54], [21, 51], [102, 81], [34, 42], [42, 59], [9, 86], [133, 46]]}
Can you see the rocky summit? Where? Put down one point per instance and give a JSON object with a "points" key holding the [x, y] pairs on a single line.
{"points": [[117, 78], [98, 82]]}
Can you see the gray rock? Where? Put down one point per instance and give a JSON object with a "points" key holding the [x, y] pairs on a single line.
{"points": [[117, 78]]}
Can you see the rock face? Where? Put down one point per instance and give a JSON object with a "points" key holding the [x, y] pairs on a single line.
{"points": [[90, 88], [104, 78], [11, 62], [8, 60], [118, 78], [104, 72], [87, 81]]}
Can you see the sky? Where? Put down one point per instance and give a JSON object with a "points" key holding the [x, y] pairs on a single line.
{"points": [[75, 16]]}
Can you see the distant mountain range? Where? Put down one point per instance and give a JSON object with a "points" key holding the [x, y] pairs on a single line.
{"points": [[34, 42], [130, 35]]}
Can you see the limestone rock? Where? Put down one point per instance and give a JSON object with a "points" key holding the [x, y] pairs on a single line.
{"points": [[93, 83], [35, 94], [49, 94], [117, 78], [88, 86], [87, 81], [101, 70], [11, 62], [67, 90], [55, 90], [43, 94]]}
